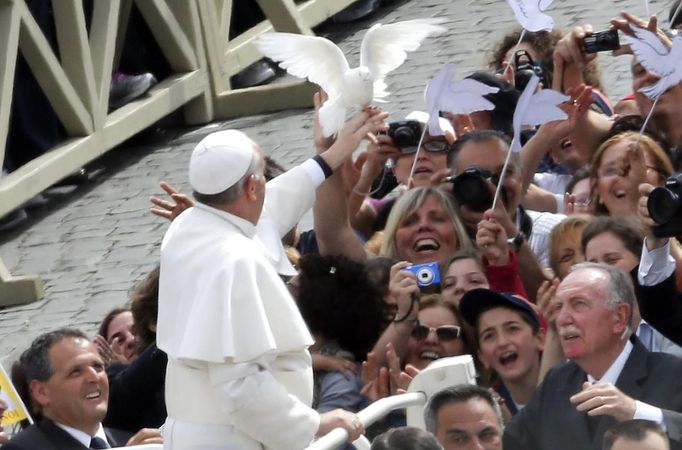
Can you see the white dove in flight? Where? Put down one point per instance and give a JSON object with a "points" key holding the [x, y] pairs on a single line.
{"points": [[384, 48], [530, 14], [536, 108], [464, 97], [656, 57]]}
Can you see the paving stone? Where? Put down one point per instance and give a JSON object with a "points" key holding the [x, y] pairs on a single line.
{"points": [[92, 243]]}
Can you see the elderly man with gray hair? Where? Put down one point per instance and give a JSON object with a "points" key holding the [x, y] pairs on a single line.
{"points": [[610, 376]]}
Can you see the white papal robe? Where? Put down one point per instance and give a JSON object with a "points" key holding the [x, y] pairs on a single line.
{"points": [[239, 374]]}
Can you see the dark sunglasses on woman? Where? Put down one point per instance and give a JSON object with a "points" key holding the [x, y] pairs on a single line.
{"points": [[443, 332]]}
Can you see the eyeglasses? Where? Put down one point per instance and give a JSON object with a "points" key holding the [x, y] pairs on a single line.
{"points": [[430, 146], [443, 332], [610, 171], [582, 201], [613, 170]]}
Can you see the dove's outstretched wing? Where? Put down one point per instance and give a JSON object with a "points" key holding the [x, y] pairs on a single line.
{"points": [[312, 57], [529, 13], [649, 50], [385, 47], [536, 109], [432, 95], [464, 97], [656, 57]]}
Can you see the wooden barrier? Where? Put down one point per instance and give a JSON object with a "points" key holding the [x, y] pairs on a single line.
{"points": [[193, 36]]}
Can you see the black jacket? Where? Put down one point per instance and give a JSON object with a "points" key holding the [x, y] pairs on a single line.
{"points": [[551, 422], [45, 435]]}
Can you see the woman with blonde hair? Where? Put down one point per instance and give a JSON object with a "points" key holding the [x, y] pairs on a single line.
{"points": [[423, 226], [565, 249]]}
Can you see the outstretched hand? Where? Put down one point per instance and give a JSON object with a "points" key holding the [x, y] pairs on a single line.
{"points": [[167, 209], [108, 352], [375, 382], [623, 24]]}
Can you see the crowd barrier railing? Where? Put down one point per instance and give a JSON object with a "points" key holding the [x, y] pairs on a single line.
{"points": [[438, 375], [193, 36]]}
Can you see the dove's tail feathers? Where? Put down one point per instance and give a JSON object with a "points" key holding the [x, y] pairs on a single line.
{"points": [[380, 92], [332, 116]]}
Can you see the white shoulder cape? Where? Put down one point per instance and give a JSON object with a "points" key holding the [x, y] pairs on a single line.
{"points": [[220, 299]]}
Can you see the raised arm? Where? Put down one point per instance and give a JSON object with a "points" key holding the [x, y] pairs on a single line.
{"points": [[332, 226]]}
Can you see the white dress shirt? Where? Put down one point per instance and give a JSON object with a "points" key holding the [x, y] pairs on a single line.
{"points": [[642, 410]]}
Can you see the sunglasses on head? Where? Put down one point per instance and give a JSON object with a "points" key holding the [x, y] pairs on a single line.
{"points": [[443, 332]]}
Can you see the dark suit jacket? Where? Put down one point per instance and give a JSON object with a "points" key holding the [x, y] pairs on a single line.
{"points": [[136, 392], [48, 436], [661, 306], [551, 422]]}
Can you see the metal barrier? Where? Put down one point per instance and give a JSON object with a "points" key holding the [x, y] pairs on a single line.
{"points": [[193, 36], [437, 376]]}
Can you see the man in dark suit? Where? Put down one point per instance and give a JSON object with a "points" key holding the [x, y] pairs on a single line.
{"points": [[610, 377], [68, 384]]}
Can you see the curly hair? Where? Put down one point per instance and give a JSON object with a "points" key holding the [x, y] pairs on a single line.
{"points": [[338, 300], [543, 42], [145, 308]]}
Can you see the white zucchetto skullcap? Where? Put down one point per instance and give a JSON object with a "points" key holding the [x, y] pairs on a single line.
{"points": [[423, 118], [219, 161]]}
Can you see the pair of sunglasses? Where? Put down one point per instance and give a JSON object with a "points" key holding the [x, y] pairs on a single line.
{"points": [[443, 332], [429, 146]]}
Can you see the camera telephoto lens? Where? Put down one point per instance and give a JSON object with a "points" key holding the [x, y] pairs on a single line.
{"points": [[522, 78], [470, 189], [662, 205]]}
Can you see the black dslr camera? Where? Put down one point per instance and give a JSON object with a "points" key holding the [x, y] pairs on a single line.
{"points": [[601, 41], [665, 207], [525, 68], [470, 188], [405, 134]]}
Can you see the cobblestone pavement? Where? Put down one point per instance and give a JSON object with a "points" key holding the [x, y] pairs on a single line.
{"points": [[91, 244]]}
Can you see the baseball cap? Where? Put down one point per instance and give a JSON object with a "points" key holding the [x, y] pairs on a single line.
{"points": [[219, 161], [476, 301]]}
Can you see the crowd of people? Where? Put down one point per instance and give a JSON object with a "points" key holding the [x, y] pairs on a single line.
{"points": [[251, 334]]}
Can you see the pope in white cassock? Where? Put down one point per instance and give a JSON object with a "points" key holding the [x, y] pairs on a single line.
{"points": [[239, 373]]}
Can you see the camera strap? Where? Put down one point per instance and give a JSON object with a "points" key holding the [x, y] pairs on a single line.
{"points": [[523, 222]]}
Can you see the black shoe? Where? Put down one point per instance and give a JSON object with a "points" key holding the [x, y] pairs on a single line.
{"points": [[13, 219], [126, 88], [356, 11], [258, 73]]}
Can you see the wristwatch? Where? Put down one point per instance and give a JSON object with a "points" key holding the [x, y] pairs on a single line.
{"points": [[517, 241]]}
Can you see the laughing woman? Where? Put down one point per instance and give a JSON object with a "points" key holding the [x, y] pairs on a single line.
{"points": [[423, 227]]}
